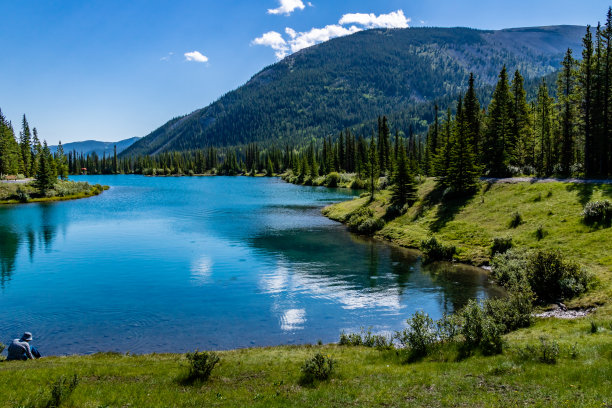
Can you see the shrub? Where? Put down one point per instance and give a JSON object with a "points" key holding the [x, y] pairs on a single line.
{"points": [[2, 347], [362, 221], [366, 339], [436, 251], [479, 330], [22, 195], [509, 269], [540, 233], [332, 179], [448, 327], [552, 278], [597, 212], [420, 335], [594, 328], [318, 367], [60, 390], [513, 312], [501, 245], [547, 352], [201, 364], [516, 220], [357, 184]]}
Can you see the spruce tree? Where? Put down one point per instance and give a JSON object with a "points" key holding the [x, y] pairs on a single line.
{"points": [[471, 109], [522, 138], [372, 170], [585, 95], [566, 91], [497, 145], [46, 175], [463, 172], [25, 145], [404, 189]]}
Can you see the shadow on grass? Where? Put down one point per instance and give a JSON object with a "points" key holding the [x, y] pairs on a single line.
{"points": [[449, 205], [584, 191]]}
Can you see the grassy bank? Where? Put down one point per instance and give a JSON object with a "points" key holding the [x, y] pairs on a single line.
{"points": [[269, 377], [20, 193]]}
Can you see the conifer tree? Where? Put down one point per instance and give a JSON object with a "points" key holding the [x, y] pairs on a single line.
{"points": [[372, 169], [404, 189], [497, 145], [442, 159], [61, 163], [463, 172], [25, 145], [585, 95], [471, 109], [46, 175], [566, 92], [522, 138]]}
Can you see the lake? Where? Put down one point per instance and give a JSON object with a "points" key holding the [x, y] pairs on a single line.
{"points": [[175, 264]]}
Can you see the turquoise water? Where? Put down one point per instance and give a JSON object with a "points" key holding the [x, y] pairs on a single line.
{"points": [[175, 264]]}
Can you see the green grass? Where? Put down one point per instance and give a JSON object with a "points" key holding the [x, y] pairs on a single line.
{"points": [[64, 190], [471, 224], [269, 377]]}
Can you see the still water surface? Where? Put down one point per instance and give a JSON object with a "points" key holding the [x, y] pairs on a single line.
{"points": [[175, 264]]}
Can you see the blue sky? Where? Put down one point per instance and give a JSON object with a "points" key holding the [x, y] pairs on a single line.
{"points": [[109, 70]]}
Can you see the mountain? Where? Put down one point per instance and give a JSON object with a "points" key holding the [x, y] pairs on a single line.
{"points": [[351, 80], [94, 146]]}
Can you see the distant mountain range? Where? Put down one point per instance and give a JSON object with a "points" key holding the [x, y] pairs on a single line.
{"points": [[349, 81], [93, 146]]}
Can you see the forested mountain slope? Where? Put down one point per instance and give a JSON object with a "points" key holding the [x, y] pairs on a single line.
{"points": [[94, 146], [351, 80]]}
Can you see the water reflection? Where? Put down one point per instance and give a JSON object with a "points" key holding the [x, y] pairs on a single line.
{"points": [[322, 263], [36, 228]]}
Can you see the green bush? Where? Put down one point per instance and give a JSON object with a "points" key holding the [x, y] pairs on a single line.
{"points": [[540, 233], [332, 179], [362, 221], [510, 269], [2, 347], [201, 364], [597, 212], [366, 339], [546, 352], [501, 245], [420, 335], [318, 367], [358, 184], [513, 312], [479, 330], [552, 278], [436, 251], [60, 390], [22, 195], [516, 220]]}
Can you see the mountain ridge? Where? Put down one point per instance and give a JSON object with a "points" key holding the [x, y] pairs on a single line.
{"points": [[95, 146], [346, 81]]}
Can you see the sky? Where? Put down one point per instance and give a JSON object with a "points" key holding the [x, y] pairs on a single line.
{"points": [[109, 70]]}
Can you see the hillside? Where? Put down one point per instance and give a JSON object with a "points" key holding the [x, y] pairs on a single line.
{"points": [[351, 80], [93, 146]]}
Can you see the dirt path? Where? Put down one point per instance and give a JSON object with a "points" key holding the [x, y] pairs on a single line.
{"points": [[22, 181]]}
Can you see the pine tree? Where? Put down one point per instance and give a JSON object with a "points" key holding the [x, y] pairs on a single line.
{"points": [[585, 90], [566, 92], [442, 159], [404, 189], [545, 159], [471, 109], [463, 172], [522, 137], [46, 175], [25, 145], [61, 163], [497, 148], [372, 169]]}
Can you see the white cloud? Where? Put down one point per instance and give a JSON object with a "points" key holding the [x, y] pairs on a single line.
{"points": [[394, 19], [287, 7], [196, 56], [275, 41], [300, 40]]}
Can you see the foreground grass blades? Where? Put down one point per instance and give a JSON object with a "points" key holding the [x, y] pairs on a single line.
{"points": [[270, 377]]}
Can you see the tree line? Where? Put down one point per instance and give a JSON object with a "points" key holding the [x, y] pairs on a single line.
{"points": [[28, 157]]}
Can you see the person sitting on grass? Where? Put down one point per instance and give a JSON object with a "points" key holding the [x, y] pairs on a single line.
{"points": [[20, 349]]}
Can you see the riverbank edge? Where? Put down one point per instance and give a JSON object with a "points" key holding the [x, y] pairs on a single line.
{"points": [[94, 191]]}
